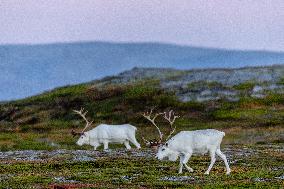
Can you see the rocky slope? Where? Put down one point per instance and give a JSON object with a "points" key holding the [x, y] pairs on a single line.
{"points": [[209, 84]]}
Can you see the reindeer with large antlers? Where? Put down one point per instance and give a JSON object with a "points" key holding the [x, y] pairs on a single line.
{"points": [[186, 143], [105, 134]]}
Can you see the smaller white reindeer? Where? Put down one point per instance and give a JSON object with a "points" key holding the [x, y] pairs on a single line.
{"points": [[105, 134], [186, 143]]}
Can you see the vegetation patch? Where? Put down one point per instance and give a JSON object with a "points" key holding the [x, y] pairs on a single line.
{"points": [[246, 86]]}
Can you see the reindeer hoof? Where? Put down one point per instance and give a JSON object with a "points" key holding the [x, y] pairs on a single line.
{"points": [[190, 170], [206, 173]]}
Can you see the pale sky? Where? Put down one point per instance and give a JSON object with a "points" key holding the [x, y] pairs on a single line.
{"points": [[235, 24]]}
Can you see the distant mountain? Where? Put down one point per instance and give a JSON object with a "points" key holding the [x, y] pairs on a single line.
{"points": [[26, 70]]}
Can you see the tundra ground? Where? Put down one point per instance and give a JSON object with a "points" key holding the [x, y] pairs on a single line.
{"points": [[258, 166]]}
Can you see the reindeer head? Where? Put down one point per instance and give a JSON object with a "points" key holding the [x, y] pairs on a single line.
{"points": [[164, 151], [170, 117], [84, 139], [88, 123]]}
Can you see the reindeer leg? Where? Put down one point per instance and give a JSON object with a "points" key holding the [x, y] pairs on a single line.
{"points": [[96, 145], [134, 141], [221, 155], [126, 143], [105, 145], [181, 158], [213, 159], [185, 160]]}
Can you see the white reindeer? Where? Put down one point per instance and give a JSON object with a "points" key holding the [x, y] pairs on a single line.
{"points": [[186, 143], [105, 134]]}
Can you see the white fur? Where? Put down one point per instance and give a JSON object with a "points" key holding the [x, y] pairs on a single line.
{"points": [[186, 143], [105, 134]]}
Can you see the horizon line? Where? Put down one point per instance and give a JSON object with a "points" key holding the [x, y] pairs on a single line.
{"points": [[139, 42]]}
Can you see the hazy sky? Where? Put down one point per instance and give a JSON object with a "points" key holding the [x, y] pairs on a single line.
{"points": [[240, 24]]}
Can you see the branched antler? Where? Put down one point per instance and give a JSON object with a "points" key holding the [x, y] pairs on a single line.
{"points": [[147, 142], [148, 116], [83, 115], [170, 117]]}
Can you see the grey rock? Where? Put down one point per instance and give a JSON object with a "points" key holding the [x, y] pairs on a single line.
{"points": [[177, 178], [257, 89], [64, 180], [280, 177]]}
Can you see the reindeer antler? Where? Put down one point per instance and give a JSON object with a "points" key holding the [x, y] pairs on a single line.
{"points": [[83, 115], [147, 142], [148, 116], [170, 117]]}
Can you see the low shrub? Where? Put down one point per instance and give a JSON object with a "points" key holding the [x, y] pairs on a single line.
{"points": [[141, 92], [246, 86]]}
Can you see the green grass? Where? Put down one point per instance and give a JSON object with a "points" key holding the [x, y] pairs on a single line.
{"points": [[16, 141], [57, 93], [281, 81]]}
